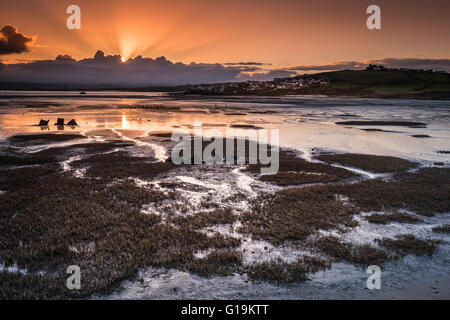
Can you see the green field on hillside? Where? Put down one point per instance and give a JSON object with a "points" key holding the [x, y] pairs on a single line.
{"points": [[390, 82]]}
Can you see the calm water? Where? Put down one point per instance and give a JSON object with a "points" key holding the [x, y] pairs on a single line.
{"points": [[303, 123]]}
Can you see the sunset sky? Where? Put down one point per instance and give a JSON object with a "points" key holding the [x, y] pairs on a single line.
{"points": [[283, 36], [283, 32]]}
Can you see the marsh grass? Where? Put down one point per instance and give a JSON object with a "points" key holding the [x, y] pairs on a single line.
{"points": [[36, 139], [357, 254], [295, 214], [202, 220], [50, 219], [442, 229], [372, 163], [424, 192], [284, 272], [120, 165], [218, 262], [408, 244], [389, 217], [24, 159], [296, 171], [49, 228]]}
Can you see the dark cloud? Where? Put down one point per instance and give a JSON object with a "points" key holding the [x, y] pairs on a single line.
{"points": [[246, 64], [12, 41], [65, 57]]}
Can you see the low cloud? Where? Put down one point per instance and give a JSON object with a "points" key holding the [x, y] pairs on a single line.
{"points": [[330, 67], [12, 41], [109, 70], [65, 57], [250, 63]]}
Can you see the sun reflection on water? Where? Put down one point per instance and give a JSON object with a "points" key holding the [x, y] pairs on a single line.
{"points": [[125, 122]]}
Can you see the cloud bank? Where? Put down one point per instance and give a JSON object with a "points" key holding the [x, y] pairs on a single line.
{"points": [[12, 41], [110, 70]]}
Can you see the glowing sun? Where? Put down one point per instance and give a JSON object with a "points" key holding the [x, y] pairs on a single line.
{"points": [[124, 59]]}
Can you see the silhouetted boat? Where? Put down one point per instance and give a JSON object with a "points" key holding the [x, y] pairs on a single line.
{"points": [[72, 123], [43, 123], [82, 92]]}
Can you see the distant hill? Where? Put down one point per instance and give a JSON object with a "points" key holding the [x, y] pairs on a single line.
{"points": [[361, 83], [389, 82]]}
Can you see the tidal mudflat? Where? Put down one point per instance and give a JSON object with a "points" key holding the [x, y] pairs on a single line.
{"points": [[102, 195]]}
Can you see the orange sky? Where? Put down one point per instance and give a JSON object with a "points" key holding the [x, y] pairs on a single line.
{"points": [[281, 32]]}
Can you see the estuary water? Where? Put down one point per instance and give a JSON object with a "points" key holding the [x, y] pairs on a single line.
{"points": [[304, 124]]}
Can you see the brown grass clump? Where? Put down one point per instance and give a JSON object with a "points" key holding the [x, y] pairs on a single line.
{"points": [[52, 155], [424, 192], [162, 135], [205, 219], [398, 217], [408, 244], [120, 165], [10, 180], [369, 162], [43, 138], [85, 148], [294, 178], [24, 159], [18, 286], [359, 254], [442, 229], [283, 272], [295, 213], [296, 171], [221, 262]]}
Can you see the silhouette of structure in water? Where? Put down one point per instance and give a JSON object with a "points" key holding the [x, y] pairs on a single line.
{"points": [[59, 122]]}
